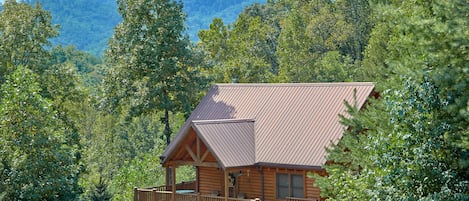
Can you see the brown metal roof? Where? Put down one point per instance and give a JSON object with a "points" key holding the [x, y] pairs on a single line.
{"points": [[293, 122], [231, 141]]}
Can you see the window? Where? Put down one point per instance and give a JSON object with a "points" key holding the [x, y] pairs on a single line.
{"points": [[290, 185]]}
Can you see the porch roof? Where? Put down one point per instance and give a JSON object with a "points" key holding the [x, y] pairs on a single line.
{"points": [[231, 141]]}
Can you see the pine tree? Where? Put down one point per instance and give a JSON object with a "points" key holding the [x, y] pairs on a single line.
{"points": [[100, 192]]}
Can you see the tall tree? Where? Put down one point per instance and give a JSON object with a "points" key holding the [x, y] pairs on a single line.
{"points": [[244, 51], [24, 36], [313, 34], [357, 14], [37, 155], [151, 60]]}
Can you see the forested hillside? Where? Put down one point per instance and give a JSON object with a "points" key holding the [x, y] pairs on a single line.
{"points": [[74, 126], [88, 24]]}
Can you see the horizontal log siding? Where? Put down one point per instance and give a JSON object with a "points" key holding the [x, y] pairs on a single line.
{"points": [[210, 179], [249, 182], [311, 191], [269, 184]]}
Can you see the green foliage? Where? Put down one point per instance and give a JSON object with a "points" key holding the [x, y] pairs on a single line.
{"points": [[283, 41], [37, 154], [100, 192], [24, 35], [347, 178], [142, 172], [313, 29], [153, 68], [245, 52], [410, 144], [89, 68], [417, 156]]}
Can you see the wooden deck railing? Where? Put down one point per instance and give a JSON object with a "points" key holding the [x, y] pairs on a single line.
{"points": [[156, 195], [301, 199]]}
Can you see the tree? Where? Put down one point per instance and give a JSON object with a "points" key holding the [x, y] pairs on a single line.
{"points": [[140, 171], [357, 14], [151, 60], [244, 51], [38, 156], [410, 144], [312, 34], [100, 192], [24, 34], [417, 163]]}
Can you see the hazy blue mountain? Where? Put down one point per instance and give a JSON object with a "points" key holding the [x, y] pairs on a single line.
{"points": [[88, 24]]}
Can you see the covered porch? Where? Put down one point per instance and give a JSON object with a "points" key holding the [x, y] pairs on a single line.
{"points": [[216, 178]]}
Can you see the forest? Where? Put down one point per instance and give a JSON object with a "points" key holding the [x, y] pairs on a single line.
{"points": [[88, 24], [76, 126]]}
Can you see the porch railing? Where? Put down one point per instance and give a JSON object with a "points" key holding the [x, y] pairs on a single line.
{"points": [[302, 199], [155, 195]]}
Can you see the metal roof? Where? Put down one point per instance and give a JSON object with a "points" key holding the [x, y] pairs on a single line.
{"points": [[231, 141], [293, 123]]}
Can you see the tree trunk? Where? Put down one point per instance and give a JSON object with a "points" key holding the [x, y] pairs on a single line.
{"points": [[167, 128]]}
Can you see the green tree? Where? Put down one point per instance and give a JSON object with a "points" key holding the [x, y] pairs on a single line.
{"points": [[293, 49], [140, 171], [357, 14], [417, 163], [100, 192], [244, 51], [38, 156], [24, 37], [396, 149], [410, 144], [313, 33], [151, 59]]}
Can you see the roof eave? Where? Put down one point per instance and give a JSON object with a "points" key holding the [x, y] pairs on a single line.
{"points": [[289, 166]]}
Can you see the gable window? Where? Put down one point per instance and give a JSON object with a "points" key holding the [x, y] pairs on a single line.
{"points": [[290, 185]]}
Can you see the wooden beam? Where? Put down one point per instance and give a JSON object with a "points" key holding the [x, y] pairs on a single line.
{"points": [[167, 176], [204, 155], [189, 150], [203, 164], [198, 147]]}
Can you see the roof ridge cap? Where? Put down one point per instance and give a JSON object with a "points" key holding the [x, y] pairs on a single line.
{"points": [[316, 84], [221, 121]]}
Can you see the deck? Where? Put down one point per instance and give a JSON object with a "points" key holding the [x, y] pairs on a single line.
{"points": [[155, 195], [159, 194]]}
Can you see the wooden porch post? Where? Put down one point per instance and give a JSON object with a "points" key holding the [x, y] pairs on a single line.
{"points": [[173, 188], [168, 172], [227, 193], [197, 179]]}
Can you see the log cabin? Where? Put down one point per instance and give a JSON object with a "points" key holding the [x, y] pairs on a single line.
{"points": [[257, 141]]}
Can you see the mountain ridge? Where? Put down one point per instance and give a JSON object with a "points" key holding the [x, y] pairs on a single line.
{"points": [[88, 24]]}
